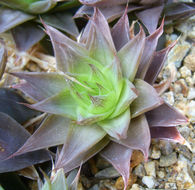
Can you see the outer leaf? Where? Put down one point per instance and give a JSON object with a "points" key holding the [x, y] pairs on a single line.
{"points": [[102, 2], [119, 156], [10, 18], [9, 104], [138, 135], [53, 131], [168, 133], [130, 55], [179, 10], [3, 60], [61, 104], [148, 98], [165, 116], [62, 21], [157, 64], [76, 147], [150, 17], [26, 35], [84, 156], [118, 126], [67, 52], [150, 47], [120, 32], [111, 11], [12, 136], [53, 83]]}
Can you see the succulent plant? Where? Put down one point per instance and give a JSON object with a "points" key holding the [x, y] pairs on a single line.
{"points": [[101, 98]]}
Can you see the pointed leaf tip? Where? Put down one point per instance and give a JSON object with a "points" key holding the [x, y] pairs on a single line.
{"points": [[149, 49], [130, 55], [120, 31], [119, 156]]}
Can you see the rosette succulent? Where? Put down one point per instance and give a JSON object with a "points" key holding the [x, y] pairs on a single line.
{"points": [[101, 98]]}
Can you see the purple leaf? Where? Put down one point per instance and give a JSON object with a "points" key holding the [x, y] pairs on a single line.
{"points": [[120, 32], [68, 53], [97, 3], [9, 104], [119, 156], [26, 35], [62, 21], [10, 18], [167, 133], [147, 99], [165, 116], [179, 10], [150, 47], [111, 12], [138, 135], [12, 137], [61, 104], [150, 17], [53, 83], [118, 126], [157, 64], [53, 131], [3, 60], [82, 142], [130, 55]]}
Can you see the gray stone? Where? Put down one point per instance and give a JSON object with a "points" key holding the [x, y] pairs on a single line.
{"points": [[136, 187], [183, 150], [170, 186], [169, 97], [191, 93], [168, 160], [149, 181], [161, 174], [185, 131], [178, 53], [155, 153], [107, 173], [95, 187], [191, 111], [165, 147], [139, 171], [185, 72], [102, 163], [189, 62], [150, 168]]}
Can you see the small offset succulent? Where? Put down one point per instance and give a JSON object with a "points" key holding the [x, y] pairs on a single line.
{"points": [[22, 18], [101, 98]]}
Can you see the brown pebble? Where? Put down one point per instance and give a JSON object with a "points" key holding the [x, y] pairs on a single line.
{"points": [[189, 62], [120, 183]]}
